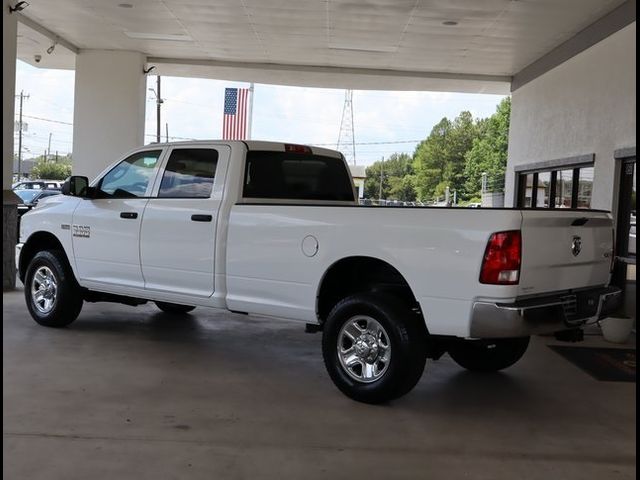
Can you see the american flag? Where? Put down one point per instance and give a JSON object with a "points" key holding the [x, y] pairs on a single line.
{"points": [[234, 122]]}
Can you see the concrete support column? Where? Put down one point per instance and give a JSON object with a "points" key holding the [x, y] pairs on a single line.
{"points": [[9, 199], [108, 114]]}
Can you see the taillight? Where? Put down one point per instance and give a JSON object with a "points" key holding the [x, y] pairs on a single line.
{"points": [[502, 258], [291, 148]]}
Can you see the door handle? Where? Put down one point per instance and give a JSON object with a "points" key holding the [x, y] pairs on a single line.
{"points": [[128, 215], [201, 218]]}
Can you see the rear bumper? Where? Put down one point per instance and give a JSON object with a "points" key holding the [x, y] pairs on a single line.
{"points": [[547, 314]]}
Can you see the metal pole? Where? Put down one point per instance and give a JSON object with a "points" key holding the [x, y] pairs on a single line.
{"points": [[158, 103], [251, 89], [46, 157], [353, 136], [166, 129], [381, 169], [22, 96]]}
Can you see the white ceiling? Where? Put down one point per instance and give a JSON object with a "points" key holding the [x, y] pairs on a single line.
{"points": [[492, 37]]}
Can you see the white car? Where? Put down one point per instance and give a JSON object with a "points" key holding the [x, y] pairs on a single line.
{"points": [[275, 229], [37, 184]]}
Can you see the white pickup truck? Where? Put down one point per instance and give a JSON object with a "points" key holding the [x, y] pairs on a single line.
{"points": [[274, 229]]}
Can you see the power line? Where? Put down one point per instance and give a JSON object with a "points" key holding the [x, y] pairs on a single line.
{"points": [[47, 120]]}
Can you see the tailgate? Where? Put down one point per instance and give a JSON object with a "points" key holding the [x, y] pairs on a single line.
{"points": [[564, 250]]}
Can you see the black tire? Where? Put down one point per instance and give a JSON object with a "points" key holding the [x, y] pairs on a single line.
{"points": [[174, 308], [488, 355], [407, 339], [67, 301]]}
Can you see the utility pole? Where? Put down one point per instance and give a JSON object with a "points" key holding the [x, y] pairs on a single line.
{"points": [[166, 130], [381, 174], [56, 156], [46, 157], [22, 97], [159, 101]]}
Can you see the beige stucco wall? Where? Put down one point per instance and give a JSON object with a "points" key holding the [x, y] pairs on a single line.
{"points": [[585, 106]]}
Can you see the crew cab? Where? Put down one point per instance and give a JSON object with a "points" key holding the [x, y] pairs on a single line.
{"points": [[275, 229]]}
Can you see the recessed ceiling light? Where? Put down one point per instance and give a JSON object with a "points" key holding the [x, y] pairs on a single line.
{"points": [[175, 37], [450, 23], [125, 5]]}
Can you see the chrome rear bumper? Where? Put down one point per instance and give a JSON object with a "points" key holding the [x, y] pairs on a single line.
{"points": [[547, 314]]}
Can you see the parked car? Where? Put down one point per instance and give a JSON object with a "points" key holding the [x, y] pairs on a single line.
{"points": [[31, 197], [275, 229], [37, 184]]}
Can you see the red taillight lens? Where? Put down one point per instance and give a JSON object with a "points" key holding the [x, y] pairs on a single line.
{"points": [[291, 148], [502, 258]]}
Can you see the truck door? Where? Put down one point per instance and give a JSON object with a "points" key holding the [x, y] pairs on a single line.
{"points": [[177, 241], [106, 229]]}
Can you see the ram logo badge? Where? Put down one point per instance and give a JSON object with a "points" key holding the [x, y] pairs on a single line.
{"points": [[81, 231], [576, 246]]}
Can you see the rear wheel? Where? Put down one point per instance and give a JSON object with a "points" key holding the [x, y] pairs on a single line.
{"points": [[174, 308], [488, 355], [53, 296], [374, 348]]}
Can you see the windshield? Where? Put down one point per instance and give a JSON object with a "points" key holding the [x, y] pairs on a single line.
{"points": [[27, 196]]}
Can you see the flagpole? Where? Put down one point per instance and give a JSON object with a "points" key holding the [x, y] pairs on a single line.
{"points": [[250, 111]]}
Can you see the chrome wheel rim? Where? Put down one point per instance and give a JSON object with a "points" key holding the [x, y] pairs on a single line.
{"points": [[44, 290], [364, 349]]}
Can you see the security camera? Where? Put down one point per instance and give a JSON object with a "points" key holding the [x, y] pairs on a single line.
{"points": [[37, 58]]}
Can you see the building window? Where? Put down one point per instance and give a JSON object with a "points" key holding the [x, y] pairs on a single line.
{"points": [[585, 187], [566, 188]]}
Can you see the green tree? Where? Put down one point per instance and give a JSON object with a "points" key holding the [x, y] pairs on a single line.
{"points": [[396, 178], [51, 170], [439, 161], [489, 152]]}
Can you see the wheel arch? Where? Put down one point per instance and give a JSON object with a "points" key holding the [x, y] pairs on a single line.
{"points": [[359, 274], [38, 242]]}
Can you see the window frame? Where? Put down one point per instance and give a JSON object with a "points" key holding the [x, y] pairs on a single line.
{"points": [[165, 164], [521, 176]]}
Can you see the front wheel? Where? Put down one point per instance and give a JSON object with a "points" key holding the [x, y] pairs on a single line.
{"points": [[488, 355], [174, 308], [374, 348], [53, 297]]}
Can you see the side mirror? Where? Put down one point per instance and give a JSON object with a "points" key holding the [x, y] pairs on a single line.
{"points": [[76, 186]]}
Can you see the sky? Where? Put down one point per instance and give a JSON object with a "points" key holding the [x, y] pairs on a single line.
{"points": [[384, 122]]}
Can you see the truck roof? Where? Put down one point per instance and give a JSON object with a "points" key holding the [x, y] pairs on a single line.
{"points": [[251, 145]]}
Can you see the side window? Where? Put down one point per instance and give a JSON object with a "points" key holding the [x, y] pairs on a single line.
{"points": [[189, 173], [131, 177]]}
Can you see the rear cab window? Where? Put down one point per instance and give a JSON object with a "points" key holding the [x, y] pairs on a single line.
{"points": [[294, 176]]}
